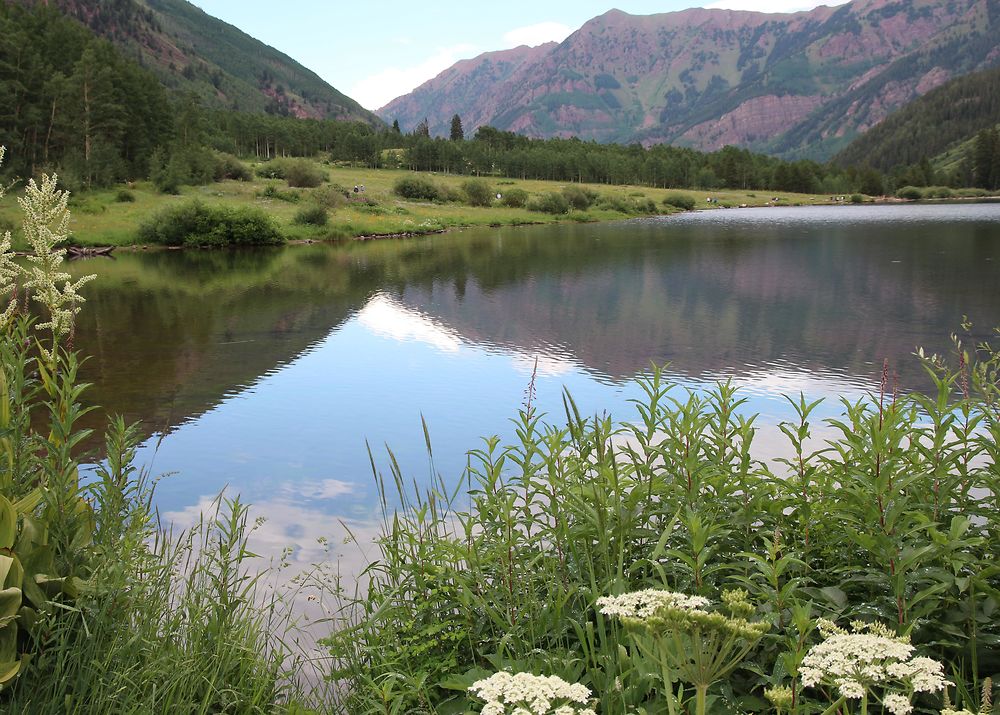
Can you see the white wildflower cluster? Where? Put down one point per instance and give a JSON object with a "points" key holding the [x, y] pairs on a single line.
{"points": [[529, 694], [871, 657], [645, 603], [46, 224], [949, 711]]}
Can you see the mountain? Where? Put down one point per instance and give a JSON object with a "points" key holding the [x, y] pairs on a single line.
{"points": [[191, 51], [943, 121], [798, 84]]}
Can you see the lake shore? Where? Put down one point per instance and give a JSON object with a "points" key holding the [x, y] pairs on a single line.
{"points": [[111, 217]]}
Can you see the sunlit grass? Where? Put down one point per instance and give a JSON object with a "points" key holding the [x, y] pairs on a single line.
{"points": [[100, 219]]}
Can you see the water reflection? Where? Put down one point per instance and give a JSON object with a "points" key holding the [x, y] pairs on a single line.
{"points": [[268, 371]]}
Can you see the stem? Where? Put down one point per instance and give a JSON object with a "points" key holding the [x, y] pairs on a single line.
{"points": [[699, 702]]}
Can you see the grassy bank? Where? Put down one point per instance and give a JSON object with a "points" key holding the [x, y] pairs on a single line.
{"points": [[113, 216]]}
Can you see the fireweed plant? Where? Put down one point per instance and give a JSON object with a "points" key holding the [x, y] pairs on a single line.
{"points": [[523, 567]]}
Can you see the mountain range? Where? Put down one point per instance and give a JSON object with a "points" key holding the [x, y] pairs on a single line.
{"points": [[796, 85], [191, 51]]}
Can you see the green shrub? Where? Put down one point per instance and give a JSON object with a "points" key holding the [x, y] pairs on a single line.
{"points": [[549, 203], [578, 197], [124, 196], [938, 192], [613, 202], [478, 192], [971, 193], [228, 166], [910, 193], [857, 199], [416, 187], [273, 169], [448, 193], [197, 224], [331, 196], [514, 198], [645, 206], [679, 200], [271, 191], [303, 174], [311, 216]]}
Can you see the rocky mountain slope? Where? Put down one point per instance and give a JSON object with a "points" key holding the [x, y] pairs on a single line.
{"points": [[800, 84], [190, 50]]}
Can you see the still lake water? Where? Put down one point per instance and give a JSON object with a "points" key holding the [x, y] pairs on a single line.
{"points": [[268, 370]]}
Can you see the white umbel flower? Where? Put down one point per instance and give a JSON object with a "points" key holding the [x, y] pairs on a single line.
{"points": [[643, 604], [529, 694], [857, 662], [897, 704]]}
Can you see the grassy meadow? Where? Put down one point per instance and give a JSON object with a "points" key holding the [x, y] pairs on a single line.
{"points": [[102, 218]]}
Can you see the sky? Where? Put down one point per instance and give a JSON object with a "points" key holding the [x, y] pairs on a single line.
{"points": [[376, 51]]}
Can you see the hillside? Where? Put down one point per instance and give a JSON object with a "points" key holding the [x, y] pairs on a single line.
{"points": [[943, 121], [799, 85], [191, 51]]}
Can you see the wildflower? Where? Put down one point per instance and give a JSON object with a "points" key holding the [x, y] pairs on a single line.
{"points": [[897, 704], [643, 604], [530, 694], [46, 225], [871, 657]]}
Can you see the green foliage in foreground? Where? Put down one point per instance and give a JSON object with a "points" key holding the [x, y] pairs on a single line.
{"points": [[100, 611], [198, 224], [894, 520]]}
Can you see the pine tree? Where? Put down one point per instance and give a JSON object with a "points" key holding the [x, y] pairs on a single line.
{"points": [[422, 129], [395, 127], [457, 133], [983, 157]]}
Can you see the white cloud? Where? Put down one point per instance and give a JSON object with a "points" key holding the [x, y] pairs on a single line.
{"points": [[539, 34], [773, 6], [377, 90], [385, 316]]}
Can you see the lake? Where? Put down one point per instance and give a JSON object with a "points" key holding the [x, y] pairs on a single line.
{"points": [[267, 371]]}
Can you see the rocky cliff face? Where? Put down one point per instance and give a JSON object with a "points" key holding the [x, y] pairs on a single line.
{"points": [[801, 84]]}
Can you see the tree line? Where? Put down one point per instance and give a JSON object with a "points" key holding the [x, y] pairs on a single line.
{"points": [[70, 102]]}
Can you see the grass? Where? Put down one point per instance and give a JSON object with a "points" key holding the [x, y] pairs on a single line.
{"points": [[100, 219]]}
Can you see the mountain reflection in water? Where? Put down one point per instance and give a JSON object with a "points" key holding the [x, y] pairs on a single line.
{"points": [[268, 370]]}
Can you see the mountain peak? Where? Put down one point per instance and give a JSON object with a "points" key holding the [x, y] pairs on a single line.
{"points": [[795, 84]]}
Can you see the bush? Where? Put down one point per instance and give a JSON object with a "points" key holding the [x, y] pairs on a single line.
{"points": [[228, 166], [196, 224], [550, 203], [416, 187], [910, 193], [311, 216], [611, 202], [124, 196], [938, 192], [478, 192], [332, 196], [271, 191], [679, 200], [579, 198], [645, 206], [303, 174], [857, 199], [514, 198]]}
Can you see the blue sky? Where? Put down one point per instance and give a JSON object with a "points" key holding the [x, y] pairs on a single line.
{"points": [[377, 51]]}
